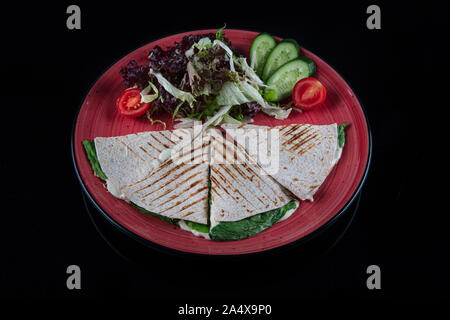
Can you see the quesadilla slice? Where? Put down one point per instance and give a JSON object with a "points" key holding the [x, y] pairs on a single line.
{"points": [[177, 189], [154, 172], [129, 158], [244, 200], [300, 156]]}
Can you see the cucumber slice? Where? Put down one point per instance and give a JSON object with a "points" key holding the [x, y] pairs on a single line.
{"points": [[282, 82], [261, 47], [284, 52]]}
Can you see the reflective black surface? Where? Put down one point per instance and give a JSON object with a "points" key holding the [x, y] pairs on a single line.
{"points": [[143, 255]]}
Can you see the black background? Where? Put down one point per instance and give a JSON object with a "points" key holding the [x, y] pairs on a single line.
{"points": [[397, 72]]}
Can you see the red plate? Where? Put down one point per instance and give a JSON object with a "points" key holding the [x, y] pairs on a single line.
{"points": [[99, 117]]}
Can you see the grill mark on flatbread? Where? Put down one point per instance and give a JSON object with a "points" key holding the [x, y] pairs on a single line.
{"points": [[234, 178], [225, 180], [294, 131], [176, 186], [129, 148], [188, 214], [168, 139], [253, 173], [146, 152], [179, 193], [152, 146], [213, 190], [163, 144], [192, 185], [213, 179], [220, 175], [203, 146], [176, 204], [166, 174], [227, 170], [296, 136], [199, 191], [307, 148], [220, 151], [290, 129], [243, 175], [302, 142], [139, 181], [236, 190], [191, 156], [191, 204], [177, 175]]}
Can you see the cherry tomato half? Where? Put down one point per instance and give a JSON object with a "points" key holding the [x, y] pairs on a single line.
{"points": [[308, 93], [129, 103]]}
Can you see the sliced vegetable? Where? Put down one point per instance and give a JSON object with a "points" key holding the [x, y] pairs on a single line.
{"points": [[308, 93], [129, 103], [284, 52], [261, 47], [282, 82]]}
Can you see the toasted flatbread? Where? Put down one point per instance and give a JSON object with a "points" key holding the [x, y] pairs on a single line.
{"points": [[239, 187], [305, 155]]}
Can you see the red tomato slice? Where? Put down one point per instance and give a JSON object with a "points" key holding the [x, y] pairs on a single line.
{"points": [[308, 93], [129, 103]]}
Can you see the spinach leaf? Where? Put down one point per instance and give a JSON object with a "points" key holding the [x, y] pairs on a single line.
{"points": [[197, 226], [89, 147], [248, 227], [341, 134]]}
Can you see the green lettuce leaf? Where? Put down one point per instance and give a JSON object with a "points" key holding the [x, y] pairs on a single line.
{"points": [[174, 91], [145, 96], [231, 95]]}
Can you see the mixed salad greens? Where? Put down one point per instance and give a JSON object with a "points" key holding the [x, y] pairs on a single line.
{"points": [[204, 77]]}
